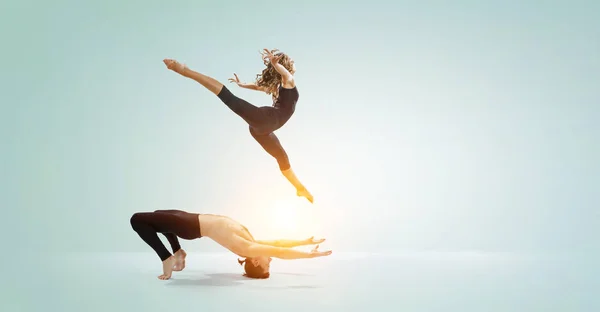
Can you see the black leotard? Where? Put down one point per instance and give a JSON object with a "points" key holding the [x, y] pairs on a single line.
{"points": [[285, 104], [266, 119]]}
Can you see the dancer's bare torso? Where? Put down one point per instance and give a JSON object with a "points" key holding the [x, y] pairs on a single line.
{"points": [[225, 231]]}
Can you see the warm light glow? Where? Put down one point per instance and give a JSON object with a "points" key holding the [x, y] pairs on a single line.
{"points": [[285, 215], [289, 218]]}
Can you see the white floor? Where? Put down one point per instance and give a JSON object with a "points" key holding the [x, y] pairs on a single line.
{"points": [[461, 282]]}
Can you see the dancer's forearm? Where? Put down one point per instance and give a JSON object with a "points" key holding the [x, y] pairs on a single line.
{"points": [[250, 86], [286, 243], [257, 250], [285, 74], [290, 254]]}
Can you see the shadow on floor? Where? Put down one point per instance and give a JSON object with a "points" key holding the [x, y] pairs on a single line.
{"points": [[293, 274], [233, 279], [217, 279]]}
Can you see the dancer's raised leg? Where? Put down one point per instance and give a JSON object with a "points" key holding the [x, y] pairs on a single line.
{"points": [[253, 115], [209, 83]]}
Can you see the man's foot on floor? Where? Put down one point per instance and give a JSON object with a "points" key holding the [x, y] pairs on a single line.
{"points": [[167, 268], [179, 260]]}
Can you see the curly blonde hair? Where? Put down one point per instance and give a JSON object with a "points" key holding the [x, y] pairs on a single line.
{"points": [[270, 79]]}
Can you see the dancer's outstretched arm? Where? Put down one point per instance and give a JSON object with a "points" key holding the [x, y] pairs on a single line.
{"points": [[289, 243], [257, 250], [240, 84]]}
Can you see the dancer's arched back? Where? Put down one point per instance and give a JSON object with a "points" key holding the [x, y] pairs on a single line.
{"points": [[224, 231], [277, 79]]}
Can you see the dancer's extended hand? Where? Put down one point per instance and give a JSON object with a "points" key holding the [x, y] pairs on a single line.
{"points": [[269, 56], [313, 241], [235, 80], [316, 253]]}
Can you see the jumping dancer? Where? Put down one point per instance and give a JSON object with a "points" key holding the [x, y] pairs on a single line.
{"points": [[277, 79]]}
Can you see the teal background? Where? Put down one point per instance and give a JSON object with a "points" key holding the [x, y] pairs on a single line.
{"points": [[421, 126]]}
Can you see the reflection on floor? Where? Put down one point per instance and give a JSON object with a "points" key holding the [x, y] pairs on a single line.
{"points": [[442, 281]]}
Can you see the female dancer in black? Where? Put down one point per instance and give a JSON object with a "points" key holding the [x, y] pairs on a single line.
{"points": [[278, 80]]}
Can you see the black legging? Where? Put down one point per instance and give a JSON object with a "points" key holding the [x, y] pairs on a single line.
{"points": [[262, 121], [171, 223]]}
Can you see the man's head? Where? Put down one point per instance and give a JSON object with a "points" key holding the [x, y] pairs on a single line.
{"points": [[256, 267]]}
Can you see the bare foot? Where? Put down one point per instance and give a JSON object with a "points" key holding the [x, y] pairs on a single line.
{"points": [[179, 260], [174, 65], [305, 193], [167, 268]]}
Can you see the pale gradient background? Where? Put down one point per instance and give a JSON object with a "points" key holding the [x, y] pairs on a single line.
{"points": [[446, 126]]}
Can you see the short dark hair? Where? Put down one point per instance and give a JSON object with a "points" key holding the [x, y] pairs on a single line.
{"points": [[252, 271]]}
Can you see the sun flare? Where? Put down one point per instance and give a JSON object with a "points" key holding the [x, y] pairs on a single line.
{"points": [[289, 217], [285, 215]]}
